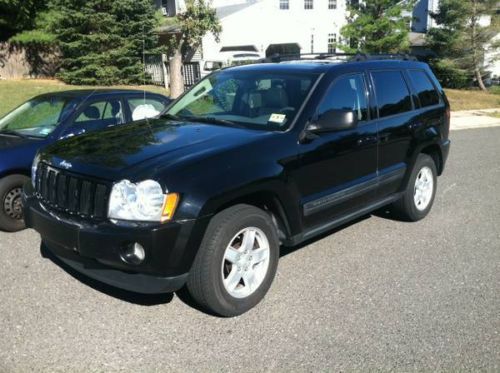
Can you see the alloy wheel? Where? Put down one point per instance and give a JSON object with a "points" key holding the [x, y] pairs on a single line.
{"points": [[424, 188], [245, 262]]}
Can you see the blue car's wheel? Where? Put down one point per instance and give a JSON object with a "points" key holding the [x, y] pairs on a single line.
{"points": [[11, 211]]}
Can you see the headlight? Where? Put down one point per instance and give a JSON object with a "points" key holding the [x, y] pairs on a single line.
{"points": [[144, 201], [34, 167]]}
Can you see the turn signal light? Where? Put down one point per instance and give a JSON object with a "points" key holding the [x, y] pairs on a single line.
{"points": [[171, 201]]}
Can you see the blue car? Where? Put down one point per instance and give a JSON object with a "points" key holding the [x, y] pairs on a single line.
{"points": [[54, 116]]}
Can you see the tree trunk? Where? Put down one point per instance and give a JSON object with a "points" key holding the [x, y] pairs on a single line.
{"points": [[475, 55], [176, 78], [480, 80]]}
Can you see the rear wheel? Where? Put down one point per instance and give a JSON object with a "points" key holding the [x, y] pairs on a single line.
{"points": [[11, 209], [418, 197], [236, 262]]}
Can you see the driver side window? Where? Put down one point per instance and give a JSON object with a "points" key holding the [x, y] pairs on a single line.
{"points": [[347, 93]]}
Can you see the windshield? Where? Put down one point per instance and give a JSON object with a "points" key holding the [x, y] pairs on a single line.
{"points": [[36, 117], [268, 101]]}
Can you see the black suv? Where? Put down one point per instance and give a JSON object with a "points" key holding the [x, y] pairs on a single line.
{"points": [[249, 159]]}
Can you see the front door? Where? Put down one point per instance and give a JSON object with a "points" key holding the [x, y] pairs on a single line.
{"points": [[338, 170]]}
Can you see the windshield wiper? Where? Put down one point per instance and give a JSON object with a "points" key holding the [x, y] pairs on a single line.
{"points": [[213, 120], [13, 133], [170, 116]]}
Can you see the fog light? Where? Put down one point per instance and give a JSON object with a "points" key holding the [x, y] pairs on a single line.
{"points": [[133, 253]]}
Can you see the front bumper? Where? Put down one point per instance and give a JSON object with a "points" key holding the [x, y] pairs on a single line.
{"points": [[95, 249]]}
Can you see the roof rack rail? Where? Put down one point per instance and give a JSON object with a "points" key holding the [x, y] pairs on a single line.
{"points": [[305, 56], [358, 56], [384, 56]]}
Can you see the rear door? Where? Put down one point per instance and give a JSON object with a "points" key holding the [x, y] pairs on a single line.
{"points": [[430, 106], [396, 118], [338, 169]]}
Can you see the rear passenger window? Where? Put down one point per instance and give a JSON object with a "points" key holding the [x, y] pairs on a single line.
{"points": [[142, 108], [392, 93], [425, 90]]}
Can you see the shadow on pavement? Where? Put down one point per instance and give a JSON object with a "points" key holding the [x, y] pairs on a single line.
{"points": [[284, 251], [384, 213]]}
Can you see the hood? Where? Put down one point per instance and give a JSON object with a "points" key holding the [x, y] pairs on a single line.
{"points": [[17, 153], [9, 142], [115, 152]]}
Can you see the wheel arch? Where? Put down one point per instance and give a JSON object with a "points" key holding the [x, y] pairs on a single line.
{"points": [[268, 201], [434, 151], [12, 172]]}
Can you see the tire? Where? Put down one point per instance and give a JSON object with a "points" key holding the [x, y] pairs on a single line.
{"points": [[11, 218], [410, 207], [206, 283]]}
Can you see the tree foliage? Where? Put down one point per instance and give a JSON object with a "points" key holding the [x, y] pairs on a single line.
{"points": [[18, 15], [100, 41], [378, 26], [463, 37]]}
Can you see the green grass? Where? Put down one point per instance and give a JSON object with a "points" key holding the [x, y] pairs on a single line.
{"points": [[495, 114], [15, 92]]}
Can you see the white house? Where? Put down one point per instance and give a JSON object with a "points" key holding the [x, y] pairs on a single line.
{"points": [[272, 26]]}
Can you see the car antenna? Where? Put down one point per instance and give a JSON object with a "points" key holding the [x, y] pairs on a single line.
{"points": [[144, 63], [144, 75]]}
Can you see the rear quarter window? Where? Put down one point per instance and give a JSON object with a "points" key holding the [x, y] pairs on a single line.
{"points": [[424, 88], [393, 96]]}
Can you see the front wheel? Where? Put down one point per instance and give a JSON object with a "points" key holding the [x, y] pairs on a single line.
{"points": [[417, 199], [11, 209], [236, 262]]}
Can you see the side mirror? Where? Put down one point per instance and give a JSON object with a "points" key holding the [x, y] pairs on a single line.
{"points": [[334, 120]]}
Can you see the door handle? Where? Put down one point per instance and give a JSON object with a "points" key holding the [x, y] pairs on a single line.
{"points": [[415, 126], [366, 140]]}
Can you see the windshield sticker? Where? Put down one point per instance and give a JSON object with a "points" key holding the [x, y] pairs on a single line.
{"points": [[277, 118]]}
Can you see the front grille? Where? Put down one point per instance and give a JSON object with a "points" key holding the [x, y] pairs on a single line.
{"points": [[70, 193]]}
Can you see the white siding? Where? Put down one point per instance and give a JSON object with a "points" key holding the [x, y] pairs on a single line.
{"points": [[262, 22]]}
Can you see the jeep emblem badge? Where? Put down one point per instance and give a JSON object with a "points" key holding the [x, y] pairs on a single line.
{"points": [[65, 165]]}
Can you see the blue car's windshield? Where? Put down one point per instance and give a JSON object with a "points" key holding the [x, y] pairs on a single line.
{"points": [[37, 117], [260, 100]]}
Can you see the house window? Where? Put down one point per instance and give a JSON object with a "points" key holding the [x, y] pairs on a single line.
{"points": [[284, 4], [312, 43], [332, 39], [332, 4], [308, 4]]}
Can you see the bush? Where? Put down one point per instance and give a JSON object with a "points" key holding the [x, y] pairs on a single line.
{"points": [[449, 75]]}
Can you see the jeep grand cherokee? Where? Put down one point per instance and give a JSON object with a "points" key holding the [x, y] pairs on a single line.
{"points": [[250, 159]]}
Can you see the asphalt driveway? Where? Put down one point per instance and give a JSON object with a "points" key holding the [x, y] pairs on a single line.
{"points": [[378, 294]]}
